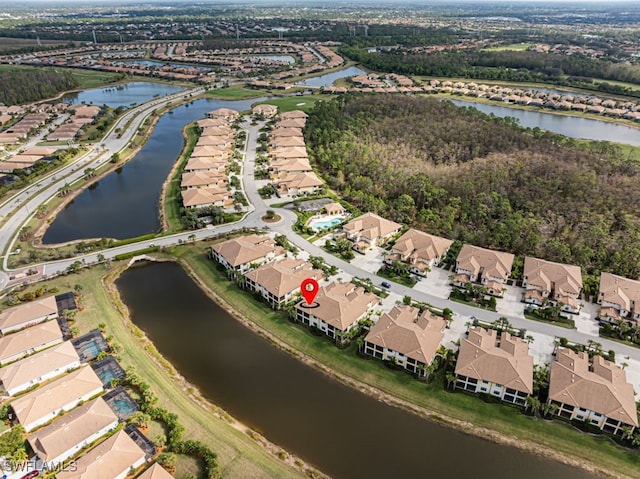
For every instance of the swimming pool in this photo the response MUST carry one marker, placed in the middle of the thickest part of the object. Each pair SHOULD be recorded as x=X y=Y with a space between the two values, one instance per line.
x=327 y=222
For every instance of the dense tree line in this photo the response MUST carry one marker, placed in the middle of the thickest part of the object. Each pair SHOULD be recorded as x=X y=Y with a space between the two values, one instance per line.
x=525 y=66
x=24 y=86
x=484 y=180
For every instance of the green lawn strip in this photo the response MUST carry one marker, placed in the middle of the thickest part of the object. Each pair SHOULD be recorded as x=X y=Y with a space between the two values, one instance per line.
x=562 y=322
x=391 y=276
x=172 y=194
x=304 y=102
x=552 y=435
x=239 y=456
x=234 y=93
x=460 y=298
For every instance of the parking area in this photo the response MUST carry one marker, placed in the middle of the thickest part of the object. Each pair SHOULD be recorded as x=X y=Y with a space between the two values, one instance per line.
x=371 y=261
x=436 y=283
x=586 y=321
x=510 y=304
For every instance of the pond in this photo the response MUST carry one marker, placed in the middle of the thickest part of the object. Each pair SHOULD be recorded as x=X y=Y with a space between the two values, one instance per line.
x=125 y=203
x=328 y=78
x=571 y=126
x=126 y=95
x=341 y=431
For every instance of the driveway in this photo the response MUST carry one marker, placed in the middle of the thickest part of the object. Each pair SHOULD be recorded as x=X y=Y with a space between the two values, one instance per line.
x=586 y=321
x=371 y=261
x=436 y=283
x=509 y=304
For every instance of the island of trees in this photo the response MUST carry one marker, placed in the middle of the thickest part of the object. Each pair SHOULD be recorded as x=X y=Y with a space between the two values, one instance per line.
x=19 y=86
x=480 y=179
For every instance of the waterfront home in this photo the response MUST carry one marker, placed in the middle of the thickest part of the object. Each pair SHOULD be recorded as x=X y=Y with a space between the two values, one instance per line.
x=369 y=230
x=28 y=314
x=114 y=458
x=221 y=142
x=43 y=404
x=74 y=431
x=334 y=209
x=246 y=252
x=406 y=337
x=155 y=472
x=207 y=196
x=337 y=309
x=211 y=152
x=421 y=251
x=597 y=392
x=265 y=111
x=213 y=123
x=497 y=365
x=278 y=282
x=557 y=282
x=36 y=338
x=202 y=178
x=619 y=298
x=224 y=113
x=206 y=164
x=40 y=367
x=479 y=265
x=296 y=184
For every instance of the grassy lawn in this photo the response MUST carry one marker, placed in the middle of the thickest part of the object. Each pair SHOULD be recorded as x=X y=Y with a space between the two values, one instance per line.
x=516 y=47
x=234 y=93
x=304 y=103
x=505 y=420
x=239 y=456
x=94 y=79
x=562 y=322
x=460 y=297
x=390 y=275
x=172 y=197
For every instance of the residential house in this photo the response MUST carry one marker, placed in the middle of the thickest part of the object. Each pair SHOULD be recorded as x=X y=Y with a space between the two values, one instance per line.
x=337 y=309
x=619 y=298
x=287 y=133
x=243 y=252
x=296 y=184
x=40 y=367
x=546 y=280
x=206 y=164
x=203 y=178
x=212 y=123
x=289 y=153
x=278 y=282
x=496 y=365
x=479 y=265
x=224 y=113
x=369 y=230
x=36 y=338
x=265 y=111
x=282 y=168
x=407 y=338
x=111 y=459
x=207 y=196
x=293 y=115
x=597 y=393
x=155 y=472
x=43 y=404
x=28 y=314
x=279 y=142
x=334 y=209
x=291 y=123
x=421 y=251
x=74 y=431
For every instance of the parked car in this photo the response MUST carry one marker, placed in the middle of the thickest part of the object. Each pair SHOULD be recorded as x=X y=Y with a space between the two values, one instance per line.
x=31 y=475
x=386 y=284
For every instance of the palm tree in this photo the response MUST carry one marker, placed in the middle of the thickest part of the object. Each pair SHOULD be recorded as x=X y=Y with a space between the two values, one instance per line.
x=451 y=379
x=533 y=404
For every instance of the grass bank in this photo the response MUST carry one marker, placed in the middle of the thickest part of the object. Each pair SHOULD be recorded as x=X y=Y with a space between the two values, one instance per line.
x=497 y=422
x=239 y=455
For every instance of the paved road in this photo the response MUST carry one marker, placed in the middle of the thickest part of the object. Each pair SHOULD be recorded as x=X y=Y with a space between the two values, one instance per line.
x=252 y=219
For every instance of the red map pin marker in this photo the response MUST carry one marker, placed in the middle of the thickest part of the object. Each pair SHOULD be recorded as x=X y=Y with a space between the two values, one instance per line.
x=309 y=289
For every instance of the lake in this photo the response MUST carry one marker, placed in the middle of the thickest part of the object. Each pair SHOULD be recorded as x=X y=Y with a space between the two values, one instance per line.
x=124 y=204
x=571 y=126
x=343 y=432
x=328 y=78
x=121 y=95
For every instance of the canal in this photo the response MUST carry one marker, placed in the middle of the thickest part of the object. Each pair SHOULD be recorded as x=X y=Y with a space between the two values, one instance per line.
x=124 y=204
x=344 y=433
x=127 y=94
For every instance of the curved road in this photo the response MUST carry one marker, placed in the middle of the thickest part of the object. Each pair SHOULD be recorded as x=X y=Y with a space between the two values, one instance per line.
x=30 y=198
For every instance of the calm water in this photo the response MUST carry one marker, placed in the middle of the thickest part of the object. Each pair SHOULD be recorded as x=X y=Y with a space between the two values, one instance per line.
x=343 y=432
x=571 y=126
x=125 y=204
x=329 y=78
x=121 y=95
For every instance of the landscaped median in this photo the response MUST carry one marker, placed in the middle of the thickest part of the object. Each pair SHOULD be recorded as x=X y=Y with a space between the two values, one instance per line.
x=497 y=422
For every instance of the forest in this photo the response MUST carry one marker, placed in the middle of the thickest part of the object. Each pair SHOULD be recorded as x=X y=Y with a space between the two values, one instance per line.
x=481 y=179
x=19 y=86
x=520 y=66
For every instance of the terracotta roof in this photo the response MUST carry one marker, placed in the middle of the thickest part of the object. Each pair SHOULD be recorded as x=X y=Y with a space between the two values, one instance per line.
x=287 y=132
x=284 y=276
x=205 y=163
x=209 y=151
x=291 y=123
x=28 y=339
x=341 y=304
x=212 y=122
x=55 y=395
x=108 y=460
x=371 y=226
x=245 y=249
x=227 y=113
x=416 y=246
x=334 y=208
x=496 y=264
x=288 y=115
x=509 y=364
x=300 y=180
x=406 y=331
x=290 y=152
x=291 y=165
x=265 y=109
x=155 y=472
x=206 y=196
x=37 y=365
x=287 y=142
x=619 y=290
x=604 y=389
x=547 y=275
x=203 y=178
x=26 y=312
x=72 y=429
